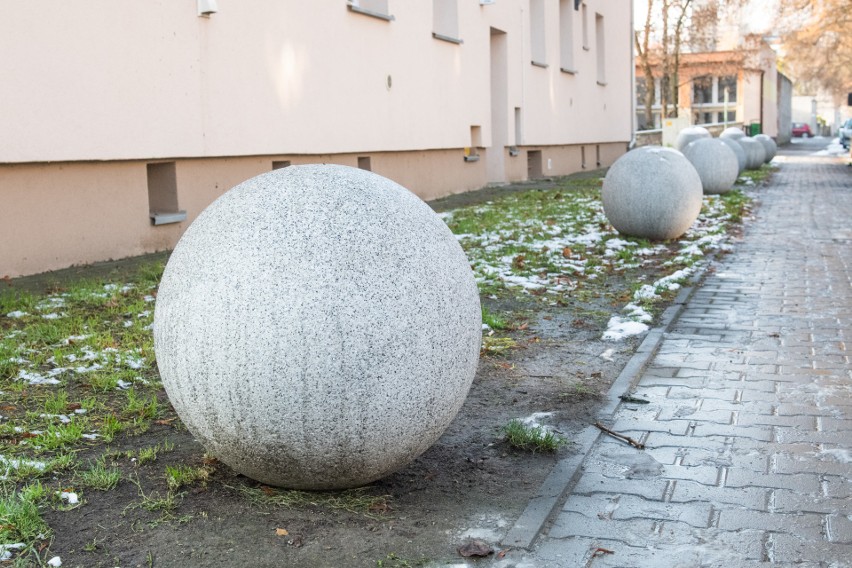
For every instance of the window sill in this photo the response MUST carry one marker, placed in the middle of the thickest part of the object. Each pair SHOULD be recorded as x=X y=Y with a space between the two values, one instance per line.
x=602 y=83
x=569 y=71
x=473 y=158
x=449 y=39
x=372 y=14
x=539 y=64
x=586 y=48
x=168 y=218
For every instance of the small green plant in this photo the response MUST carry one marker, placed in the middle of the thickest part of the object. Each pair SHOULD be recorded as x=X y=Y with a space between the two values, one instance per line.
x=153 y=501
x=533 y=438
x=57 y=436
x=20 y=518
x=180 y=475
x=110 y=427
x=492 y=320
x=142 y=407
x=100 y=477
x=56 y=403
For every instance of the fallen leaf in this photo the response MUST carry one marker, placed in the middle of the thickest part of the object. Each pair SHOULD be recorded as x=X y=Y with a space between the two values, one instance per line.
x=74 y=406
x=165 y=421
x=475 y=548
x=602 y=551
x=282 y=532
x=383 y=507
x=268 y=490
x=567 y=252
x=501 y=554
x=8 y=407
x=523 y=326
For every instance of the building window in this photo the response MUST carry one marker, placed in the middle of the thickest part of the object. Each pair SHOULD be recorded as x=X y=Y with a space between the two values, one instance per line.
x=162 y=194
x=702 y=90
x=445 y=20
x=566 y=35
x=372 y=8
x=600 y=48
x=364 y=163
x=537 y=39
x=584 y=16
x=277 y=165
x=729 y=83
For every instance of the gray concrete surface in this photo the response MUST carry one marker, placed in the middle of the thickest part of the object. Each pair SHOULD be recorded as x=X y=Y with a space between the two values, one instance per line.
x=748 y=435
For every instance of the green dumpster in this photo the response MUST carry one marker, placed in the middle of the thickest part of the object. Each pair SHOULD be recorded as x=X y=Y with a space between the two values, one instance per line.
x=754 y=129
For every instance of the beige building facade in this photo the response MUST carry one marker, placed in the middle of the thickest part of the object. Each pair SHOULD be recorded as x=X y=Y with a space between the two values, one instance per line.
x=121 y=121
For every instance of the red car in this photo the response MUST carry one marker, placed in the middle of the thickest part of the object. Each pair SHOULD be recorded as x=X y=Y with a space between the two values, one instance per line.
x=801 y=129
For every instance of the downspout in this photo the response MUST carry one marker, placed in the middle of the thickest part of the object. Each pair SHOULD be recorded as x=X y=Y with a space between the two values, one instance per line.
x=633 y=121
x=762 y=79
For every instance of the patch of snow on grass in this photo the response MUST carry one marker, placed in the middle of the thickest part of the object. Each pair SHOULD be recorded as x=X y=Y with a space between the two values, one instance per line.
x=16 y=314
x=618 y=328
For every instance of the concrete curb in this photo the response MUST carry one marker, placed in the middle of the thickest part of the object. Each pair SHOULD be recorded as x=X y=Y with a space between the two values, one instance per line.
x=561 y=480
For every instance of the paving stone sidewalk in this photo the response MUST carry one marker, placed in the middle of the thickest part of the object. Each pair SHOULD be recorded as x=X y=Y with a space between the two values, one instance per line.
x=748 y=432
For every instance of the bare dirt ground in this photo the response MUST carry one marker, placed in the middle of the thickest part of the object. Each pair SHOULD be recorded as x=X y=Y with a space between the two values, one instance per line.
x=470 y=485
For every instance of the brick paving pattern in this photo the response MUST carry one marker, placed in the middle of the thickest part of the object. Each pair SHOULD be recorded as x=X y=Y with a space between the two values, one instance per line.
x=749 y=426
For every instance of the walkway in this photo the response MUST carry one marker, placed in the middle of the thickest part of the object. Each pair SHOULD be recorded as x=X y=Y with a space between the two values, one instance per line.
x=748 y=431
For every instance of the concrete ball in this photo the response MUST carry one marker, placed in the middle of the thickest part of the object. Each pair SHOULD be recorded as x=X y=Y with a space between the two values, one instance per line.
x=769 y=145
x=715 y=163
x=754 y=151
x=652 y=192
x=317 y=327
x=733 y=132
x=689 y=134
x=738 y=151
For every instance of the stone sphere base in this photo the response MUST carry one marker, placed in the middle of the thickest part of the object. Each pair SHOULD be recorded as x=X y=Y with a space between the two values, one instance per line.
x=317 y=327
x=715 y=163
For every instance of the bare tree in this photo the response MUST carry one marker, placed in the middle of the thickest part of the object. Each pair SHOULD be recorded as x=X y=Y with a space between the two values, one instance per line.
x=817 y=46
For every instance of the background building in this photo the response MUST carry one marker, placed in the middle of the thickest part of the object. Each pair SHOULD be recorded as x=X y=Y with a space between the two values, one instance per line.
x=121 y=121
x=734 y=86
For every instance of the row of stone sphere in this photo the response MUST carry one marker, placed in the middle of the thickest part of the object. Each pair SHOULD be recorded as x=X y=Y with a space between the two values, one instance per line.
x=656 y=193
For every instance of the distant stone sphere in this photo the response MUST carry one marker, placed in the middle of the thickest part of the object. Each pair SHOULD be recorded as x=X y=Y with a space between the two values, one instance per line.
x=738 y=151
x=317 y=327
x=689 y=134
x=754 y=151
x=715 y=163
x=769 y=146
x=652 y=192
x=733 y=132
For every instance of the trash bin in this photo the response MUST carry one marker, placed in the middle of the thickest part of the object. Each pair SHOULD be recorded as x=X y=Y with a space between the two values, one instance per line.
x=754 y=129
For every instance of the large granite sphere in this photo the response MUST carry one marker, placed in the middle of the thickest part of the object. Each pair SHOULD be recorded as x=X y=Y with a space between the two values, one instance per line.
x=652 y=192
x=769 y=146
x=317 y=327
x=715 y=163
x=754 y=151
x=738 y=151
x=733 y=132
x=689 y=134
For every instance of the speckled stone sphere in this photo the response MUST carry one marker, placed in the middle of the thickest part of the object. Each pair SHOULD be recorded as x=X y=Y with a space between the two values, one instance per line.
x=733 y=132
x=754 y=151
x=317 y=327
x=689 y=134
x=738 y=151
x=769 y=146
x=652 y=192
x=715 y=163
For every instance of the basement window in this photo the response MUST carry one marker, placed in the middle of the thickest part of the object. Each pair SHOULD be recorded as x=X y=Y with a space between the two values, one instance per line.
x=277 y=165
x=373 y=8
x=162 y=194
x=364 y=163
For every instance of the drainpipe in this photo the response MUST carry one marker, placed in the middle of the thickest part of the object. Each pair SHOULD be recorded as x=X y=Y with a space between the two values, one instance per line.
x=634 y=123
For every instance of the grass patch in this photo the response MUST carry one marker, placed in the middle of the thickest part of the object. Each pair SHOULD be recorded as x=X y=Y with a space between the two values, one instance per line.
x=20 y=517
x=180 y=475
x=492 y=345
x=100 y=477
x=532 y=438
x=493 y=320
x=356 y=501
